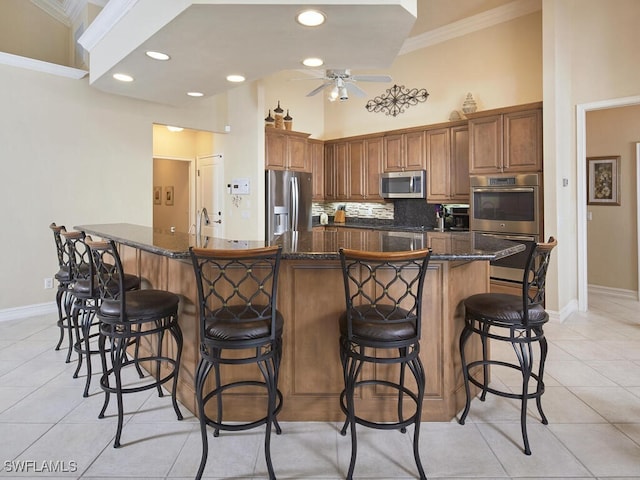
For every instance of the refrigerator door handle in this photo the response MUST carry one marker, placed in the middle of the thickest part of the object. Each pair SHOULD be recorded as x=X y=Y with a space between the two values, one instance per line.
x=295 y=195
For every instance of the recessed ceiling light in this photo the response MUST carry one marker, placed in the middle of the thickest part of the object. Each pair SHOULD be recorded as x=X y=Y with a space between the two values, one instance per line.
x=122 y=77
x=235 y=78
x=312 y=62
x=157 y=55
x=195 y=94
x=171 y=128
x=310 y=18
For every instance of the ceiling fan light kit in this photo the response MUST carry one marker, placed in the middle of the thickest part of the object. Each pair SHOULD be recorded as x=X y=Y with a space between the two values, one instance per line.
x=341 y=83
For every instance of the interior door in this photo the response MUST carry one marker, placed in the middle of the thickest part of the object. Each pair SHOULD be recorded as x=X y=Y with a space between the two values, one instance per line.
x=210 y=193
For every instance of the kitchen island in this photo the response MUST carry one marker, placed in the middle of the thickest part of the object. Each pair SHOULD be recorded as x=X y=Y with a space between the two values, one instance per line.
x=311 y=298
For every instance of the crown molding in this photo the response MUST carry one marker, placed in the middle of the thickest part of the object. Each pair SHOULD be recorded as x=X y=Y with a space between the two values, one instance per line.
x=54 y=8
x=40 y=66
x=104 y=22
x=495 y=16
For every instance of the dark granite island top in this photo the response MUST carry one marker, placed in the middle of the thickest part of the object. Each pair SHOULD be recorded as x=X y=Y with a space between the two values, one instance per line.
x=317 y=244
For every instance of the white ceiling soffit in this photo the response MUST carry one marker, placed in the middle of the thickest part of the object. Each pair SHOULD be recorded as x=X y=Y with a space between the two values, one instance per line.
x=208 y=40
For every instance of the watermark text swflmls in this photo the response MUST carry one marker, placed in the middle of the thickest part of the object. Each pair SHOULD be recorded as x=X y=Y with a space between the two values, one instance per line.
x=40 y=466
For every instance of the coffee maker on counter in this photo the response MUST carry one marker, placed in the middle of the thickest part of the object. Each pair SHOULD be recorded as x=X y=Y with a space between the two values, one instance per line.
x=456 y=217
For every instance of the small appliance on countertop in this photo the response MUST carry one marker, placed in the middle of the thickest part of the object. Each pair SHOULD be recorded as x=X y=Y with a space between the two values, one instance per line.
x=456 y=217
x=324 y=219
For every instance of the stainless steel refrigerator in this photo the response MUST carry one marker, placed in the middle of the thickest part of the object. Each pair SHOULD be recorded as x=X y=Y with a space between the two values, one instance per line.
x=288 y=202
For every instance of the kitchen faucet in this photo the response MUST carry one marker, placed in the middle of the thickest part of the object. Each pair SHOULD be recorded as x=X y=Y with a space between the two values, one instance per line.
x=202 y=213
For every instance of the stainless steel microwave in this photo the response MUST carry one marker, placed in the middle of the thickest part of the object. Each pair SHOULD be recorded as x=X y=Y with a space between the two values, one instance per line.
x=409 y=184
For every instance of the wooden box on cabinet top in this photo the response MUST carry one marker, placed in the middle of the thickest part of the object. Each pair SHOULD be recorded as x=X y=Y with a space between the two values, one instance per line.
x=286 y=150
x=506 y=140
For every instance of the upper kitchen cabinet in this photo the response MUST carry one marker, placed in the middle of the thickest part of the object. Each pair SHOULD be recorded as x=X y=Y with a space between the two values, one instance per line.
x=404 y=151
x=286 y=150
x=352 y=169
x=448 y=164
x=506 y=140
x=315 y=151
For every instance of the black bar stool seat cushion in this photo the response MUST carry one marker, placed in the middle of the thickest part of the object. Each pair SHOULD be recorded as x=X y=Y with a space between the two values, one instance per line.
x=63 y=275
x=503 y=308
x=141 y=304
x=242 y=323
x=83 y=287
x=367 y=323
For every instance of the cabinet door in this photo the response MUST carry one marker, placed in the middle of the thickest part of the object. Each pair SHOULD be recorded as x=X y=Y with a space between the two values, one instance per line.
x=329 y=172
x=373 y=157
x=342 y=170
x=459 y=164
x=316 y=153
x=523 y=141
x=276 y=147
x=393 y=153
x=438 y=143
x=485 y=144
x=357 y=170
x=415 y=157
x=297 y=154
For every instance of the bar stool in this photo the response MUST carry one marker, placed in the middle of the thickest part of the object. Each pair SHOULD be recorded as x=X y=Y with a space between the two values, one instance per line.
x=127 y=317
x=517 y=320
x=63 y=295
x=239 y=325
x=85 y=299
x=381 y=325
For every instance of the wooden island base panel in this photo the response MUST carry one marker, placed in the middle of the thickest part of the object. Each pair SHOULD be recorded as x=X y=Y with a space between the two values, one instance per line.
x=311 y=298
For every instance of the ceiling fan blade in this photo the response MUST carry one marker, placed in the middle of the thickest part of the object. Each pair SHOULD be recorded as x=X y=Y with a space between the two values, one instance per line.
x=355 y=90
x=318 y=89
x=371 y=78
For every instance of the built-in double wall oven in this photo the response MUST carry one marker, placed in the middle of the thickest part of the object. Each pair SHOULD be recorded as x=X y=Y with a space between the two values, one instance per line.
x=507 y=206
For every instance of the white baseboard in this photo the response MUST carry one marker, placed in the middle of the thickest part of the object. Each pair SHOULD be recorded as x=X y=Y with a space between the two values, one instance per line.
x=28 y=311
x=615 y=292
x=564 y=313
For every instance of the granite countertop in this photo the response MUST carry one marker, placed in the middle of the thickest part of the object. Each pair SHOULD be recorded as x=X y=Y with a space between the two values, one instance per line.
x=316 y=245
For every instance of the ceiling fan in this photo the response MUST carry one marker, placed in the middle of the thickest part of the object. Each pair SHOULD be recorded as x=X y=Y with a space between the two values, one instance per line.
x=342 y=83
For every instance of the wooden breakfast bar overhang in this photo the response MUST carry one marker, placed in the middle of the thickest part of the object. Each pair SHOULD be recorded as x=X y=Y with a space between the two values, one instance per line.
x=311 y=298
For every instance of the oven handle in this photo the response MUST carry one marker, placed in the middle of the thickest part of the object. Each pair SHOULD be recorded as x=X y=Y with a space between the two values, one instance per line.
x=509 y=189
x=511 y=237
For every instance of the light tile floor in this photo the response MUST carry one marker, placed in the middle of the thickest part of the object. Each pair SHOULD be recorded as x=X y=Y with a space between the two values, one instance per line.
x=592 y=402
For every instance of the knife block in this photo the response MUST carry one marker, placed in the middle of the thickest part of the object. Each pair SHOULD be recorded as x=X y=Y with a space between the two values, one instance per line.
x=340 y=216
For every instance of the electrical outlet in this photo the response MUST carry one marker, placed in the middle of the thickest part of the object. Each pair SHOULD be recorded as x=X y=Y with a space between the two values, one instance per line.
x=48 y=283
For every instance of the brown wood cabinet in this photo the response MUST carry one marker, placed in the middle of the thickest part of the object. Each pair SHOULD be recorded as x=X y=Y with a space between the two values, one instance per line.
x=315 y=151
x=448 y=164
x=404 y=151
x=507 y=140
x=286 y=150
x=352 y=169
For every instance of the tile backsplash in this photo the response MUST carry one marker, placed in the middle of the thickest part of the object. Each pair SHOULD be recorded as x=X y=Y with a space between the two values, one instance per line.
x=381 y=211
x=402 y=212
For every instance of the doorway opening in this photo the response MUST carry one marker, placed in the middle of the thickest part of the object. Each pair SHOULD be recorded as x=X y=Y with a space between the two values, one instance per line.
x=581 y=155
x=187 y=175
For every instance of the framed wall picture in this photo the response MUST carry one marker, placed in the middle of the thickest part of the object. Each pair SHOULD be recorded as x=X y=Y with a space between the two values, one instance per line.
x=168 y=195
x=157 y=195
x=603 y=180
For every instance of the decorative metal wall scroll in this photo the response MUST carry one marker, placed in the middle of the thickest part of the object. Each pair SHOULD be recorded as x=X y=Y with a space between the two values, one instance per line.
x=397 y=100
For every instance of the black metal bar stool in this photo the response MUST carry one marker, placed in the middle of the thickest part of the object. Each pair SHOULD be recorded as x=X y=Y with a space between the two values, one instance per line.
x=85 y=299
x=239 y=325
x=127 y=317
x=517 y=320
x=381 y=325
x=63 y=294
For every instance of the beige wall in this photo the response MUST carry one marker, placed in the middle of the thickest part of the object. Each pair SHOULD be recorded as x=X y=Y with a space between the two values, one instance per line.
x=71 y=155
x=28 y=31
x=587 y=49
x=612 y=242
x=500 y=66
x=174 y=175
